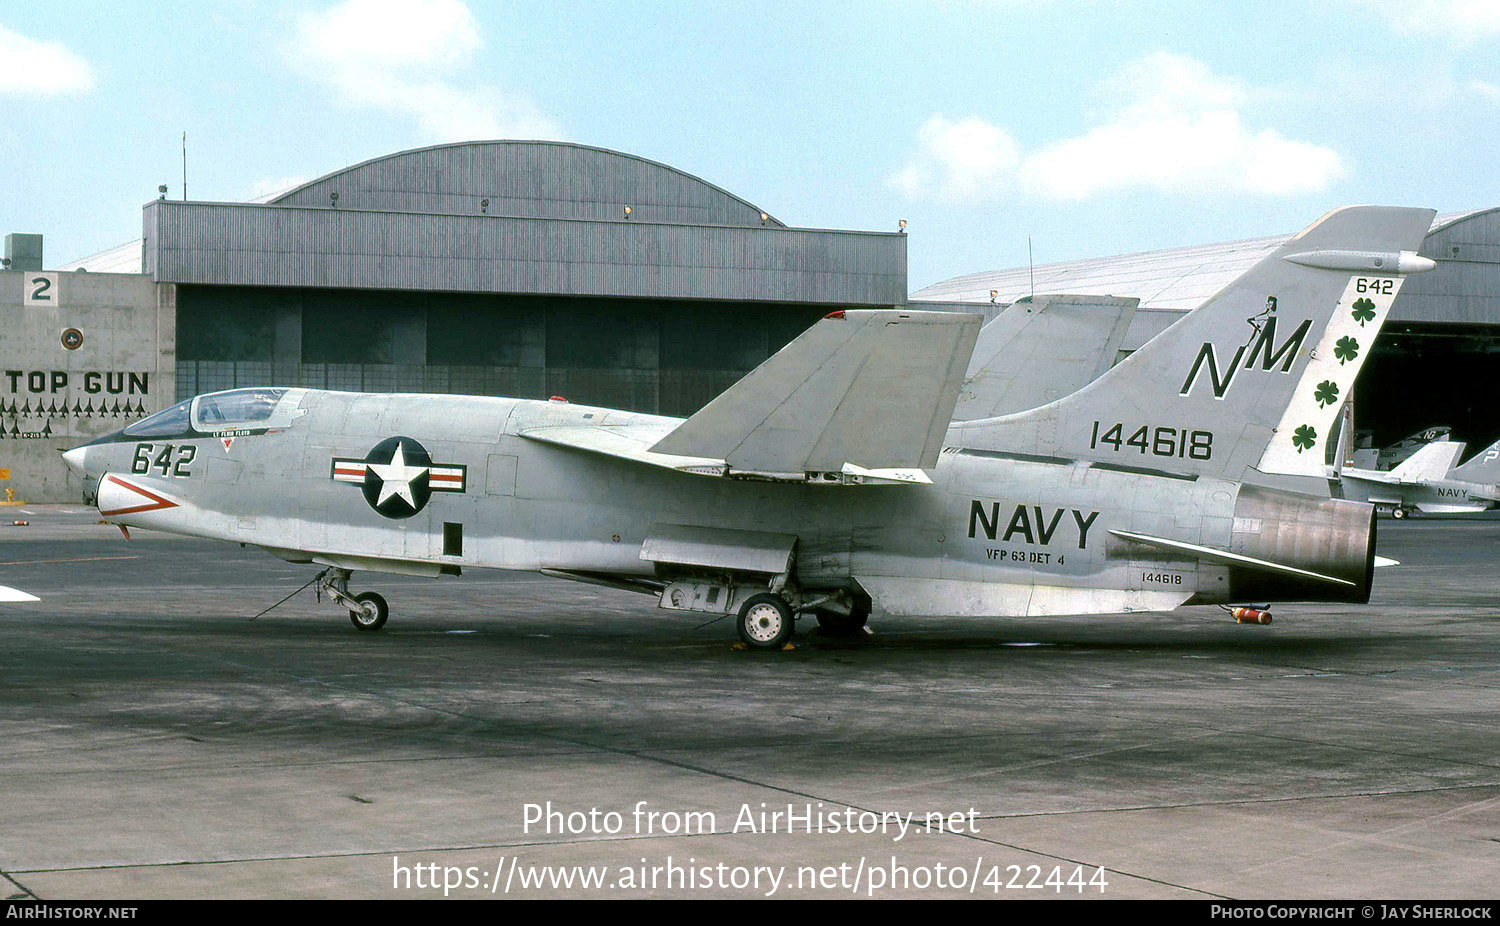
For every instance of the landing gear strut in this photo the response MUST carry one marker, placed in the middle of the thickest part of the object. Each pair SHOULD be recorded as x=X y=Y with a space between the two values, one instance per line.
x=367 y=610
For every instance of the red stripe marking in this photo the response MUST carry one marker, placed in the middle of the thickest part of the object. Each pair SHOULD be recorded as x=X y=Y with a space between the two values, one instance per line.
x=158 y=502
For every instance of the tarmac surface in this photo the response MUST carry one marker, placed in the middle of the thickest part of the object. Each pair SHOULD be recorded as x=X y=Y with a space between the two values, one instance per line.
x=159 y=743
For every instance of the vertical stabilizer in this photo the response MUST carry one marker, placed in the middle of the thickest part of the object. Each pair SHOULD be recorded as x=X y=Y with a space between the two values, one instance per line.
x=1252 y=379
x=1483 y=467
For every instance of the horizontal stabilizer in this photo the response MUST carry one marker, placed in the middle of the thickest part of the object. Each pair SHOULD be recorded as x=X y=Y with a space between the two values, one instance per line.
x=15 y=594
x=1226 y=558
x=875 y=388
x=1430 y=462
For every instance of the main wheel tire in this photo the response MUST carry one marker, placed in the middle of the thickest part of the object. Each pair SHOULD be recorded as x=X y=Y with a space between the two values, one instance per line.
x=766 y=622
x=835 y=624
x=1399 y=513
x=372 y=611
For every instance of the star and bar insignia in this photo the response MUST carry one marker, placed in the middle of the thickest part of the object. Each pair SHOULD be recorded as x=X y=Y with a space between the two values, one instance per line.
x=398 y=476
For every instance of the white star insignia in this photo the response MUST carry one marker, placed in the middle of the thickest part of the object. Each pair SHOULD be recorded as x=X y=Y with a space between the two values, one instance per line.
x=396 y=477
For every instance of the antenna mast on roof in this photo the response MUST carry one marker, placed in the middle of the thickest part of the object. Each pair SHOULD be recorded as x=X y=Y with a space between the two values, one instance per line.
x=1030 y=265
x=184 y=167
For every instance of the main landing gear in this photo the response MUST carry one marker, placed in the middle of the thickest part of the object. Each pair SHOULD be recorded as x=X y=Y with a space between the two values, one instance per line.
x=767 y=620
x=367 y=610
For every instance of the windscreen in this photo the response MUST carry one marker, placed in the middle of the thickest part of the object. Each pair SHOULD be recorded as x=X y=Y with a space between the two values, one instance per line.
x=166 y=423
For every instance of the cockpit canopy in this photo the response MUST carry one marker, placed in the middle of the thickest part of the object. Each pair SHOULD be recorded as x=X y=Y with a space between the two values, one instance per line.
x=237 y=409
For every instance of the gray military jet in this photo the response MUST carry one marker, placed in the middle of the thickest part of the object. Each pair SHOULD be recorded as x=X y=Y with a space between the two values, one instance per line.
x=1388 y=458
x=831 y=481
x=1427 y=481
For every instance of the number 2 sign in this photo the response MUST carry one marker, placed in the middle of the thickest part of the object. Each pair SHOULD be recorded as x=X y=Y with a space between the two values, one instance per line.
x=41 y=290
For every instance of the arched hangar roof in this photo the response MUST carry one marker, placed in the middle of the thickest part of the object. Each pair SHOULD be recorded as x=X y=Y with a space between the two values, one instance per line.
x=527 y=179
x=1179 y=279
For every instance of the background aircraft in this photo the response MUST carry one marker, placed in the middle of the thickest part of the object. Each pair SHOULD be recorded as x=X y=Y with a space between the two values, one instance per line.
x=1428 y=481
x=1390 y=457
x=830 y=480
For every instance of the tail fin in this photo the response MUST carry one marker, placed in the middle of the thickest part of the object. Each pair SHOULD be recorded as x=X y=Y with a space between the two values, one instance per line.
x=1432 y=461
x=1254 y=377
x=1484 y=466
x=1041 y=349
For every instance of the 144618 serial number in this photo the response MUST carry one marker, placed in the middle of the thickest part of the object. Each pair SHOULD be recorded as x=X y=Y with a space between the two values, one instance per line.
x=1160 y=442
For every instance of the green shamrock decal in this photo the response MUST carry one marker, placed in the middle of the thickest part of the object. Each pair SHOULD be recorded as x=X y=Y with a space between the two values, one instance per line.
x=1346 y=349
x=1364 y=310
x=1327 y=393
x=1304 y=438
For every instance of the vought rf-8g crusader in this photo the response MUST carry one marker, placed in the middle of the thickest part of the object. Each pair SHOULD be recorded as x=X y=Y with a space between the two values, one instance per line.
x=831 y=481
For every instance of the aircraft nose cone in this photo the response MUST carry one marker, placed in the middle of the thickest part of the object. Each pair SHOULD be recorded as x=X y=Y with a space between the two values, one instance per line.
x=74 y=459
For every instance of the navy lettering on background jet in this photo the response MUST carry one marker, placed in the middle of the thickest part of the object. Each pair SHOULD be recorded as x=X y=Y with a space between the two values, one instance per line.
x=1038 y=530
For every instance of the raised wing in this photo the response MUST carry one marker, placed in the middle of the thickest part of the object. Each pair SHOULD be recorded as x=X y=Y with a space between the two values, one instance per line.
x=872 y=389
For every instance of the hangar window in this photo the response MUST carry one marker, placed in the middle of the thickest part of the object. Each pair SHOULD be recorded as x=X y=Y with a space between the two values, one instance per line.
x=218 y=323
x=360 y=327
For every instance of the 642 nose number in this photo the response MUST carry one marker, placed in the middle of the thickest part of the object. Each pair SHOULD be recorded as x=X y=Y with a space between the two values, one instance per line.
x=1157 y=441
x=165 y=461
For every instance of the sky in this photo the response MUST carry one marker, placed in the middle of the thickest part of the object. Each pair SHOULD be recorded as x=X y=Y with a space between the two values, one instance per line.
x=1083 y=129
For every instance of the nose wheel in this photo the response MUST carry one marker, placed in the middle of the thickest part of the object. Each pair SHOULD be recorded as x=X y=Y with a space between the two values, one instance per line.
x=367 y=610
x=371 y=613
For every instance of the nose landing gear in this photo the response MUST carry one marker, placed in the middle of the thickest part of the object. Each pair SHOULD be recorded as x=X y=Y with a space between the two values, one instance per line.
x=367 y=610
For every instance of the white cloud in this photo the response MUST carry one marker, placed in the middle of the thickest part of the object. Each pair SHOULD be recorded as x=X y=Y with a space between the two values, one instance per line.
x=1177 y=128
x=1462 y=22
x=402 y=56
x=31 y=67
x=961 y=160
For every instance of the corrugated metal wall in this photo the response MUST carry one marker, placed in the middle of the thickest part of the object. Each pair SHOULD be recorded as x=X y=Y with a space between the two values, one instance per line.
x=264 y=245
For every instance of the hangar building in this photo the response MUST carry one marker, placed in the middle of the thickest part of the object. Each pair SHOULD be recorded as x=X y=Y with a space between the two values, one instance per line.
x=1433 y=364
x=530 y=269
